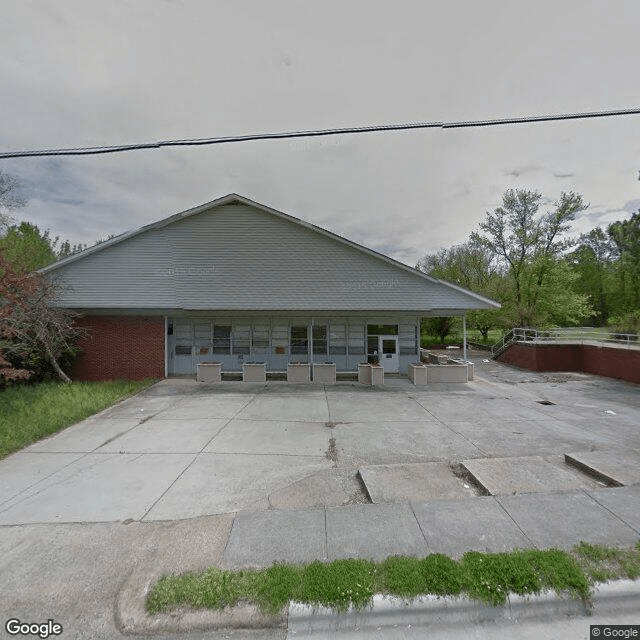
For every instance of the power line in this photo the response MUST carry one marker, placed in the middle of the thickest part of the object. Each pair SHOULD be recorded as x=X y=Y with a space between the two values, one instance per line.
x=83 y=151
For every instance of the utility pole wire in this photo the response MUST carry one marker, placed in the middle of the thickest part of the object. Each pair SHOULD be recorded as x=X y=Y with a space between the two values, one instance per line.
x=80 y=151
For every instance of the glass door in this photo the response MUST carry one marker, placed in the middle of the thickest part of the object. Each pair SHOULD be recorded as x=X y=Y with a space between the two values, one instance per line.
x=388 y=350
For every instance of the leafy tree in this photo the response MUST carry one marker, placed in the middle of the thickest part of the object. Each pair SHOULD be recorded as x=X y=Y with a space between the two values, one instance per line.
x=626 y=235
x=32 y=330
x=527 y=246
x=595 y=262
x=26 y=248
x=469 y=265
x=441 y=326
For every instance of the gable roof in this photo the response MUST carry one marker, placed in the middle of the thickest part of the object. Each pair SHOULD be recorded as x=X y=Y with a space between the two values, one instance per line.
x=171 y=264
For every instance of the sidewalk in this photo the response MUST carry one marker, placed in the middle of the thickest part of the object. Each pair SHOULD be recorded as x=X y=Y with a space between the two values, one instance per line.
x=375 y=531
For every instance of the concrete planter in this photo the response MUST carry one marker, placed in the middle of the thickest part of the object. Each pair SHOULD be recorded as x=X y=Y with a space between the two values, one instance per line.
x=254 y=372
x=324 y=373
x=377 y=374
x=364 y=373
x=447 y=373
x=298 y=372
x=418 y=374
x=209 y=372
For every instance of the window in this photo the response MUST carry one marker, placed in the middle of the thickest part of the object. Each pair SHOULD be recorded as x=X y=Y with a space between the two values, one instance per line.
x=382 y=329
x=356 y=339
x=408 y=339
x=320 y=339
x=260 y=339
x=242 y=340
x=202 y=338
x=222 y=339
x=280 y=339
x=338 y=340
x=183 y=335
x=299 y=340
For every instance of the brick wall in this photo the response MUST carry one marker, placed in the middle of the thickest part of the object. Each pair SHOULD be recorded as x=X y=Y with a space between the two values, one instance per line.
x=608 y=361
x=128 y=347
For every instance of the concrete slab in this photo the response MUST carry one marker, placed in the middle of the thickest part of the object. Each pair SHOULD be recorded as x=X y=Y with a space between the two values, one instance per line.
x=504 y=476
x=373 y=531
x=305 y=408
x=99 y=488
x=504 y=438
x=453 y=527
x=621 y=468
x=413 y=482
x=207 y=407
x=141 y=406
x=347 y=407
x=326 y=488
x=21 y=471
x=166 y=436
x=85 y=436
x=375 y=442
x=272 y=437
x=222 y=483
x=441 y=408
x=262 y=538
x=624 y=502
x=564 y=519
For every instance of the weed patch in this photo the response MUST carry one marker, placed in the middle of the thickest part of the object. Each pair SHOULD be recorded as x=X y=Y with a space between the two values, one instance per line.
x=30 y=413
x=487 y=577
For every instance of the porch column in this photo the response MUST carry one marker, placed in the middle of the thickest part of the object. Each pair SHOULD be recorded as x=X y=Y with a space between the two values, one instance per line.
x=464 y=337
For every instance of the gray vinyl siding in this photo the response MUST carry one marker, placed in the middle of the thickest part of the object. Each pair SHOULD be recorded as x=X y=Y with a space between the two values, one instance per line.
x=239 y=257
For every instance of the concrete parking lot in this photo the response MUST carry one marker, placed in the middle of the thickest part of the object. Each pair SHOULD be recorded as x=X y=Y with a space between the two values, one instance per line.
x=182 y=449
x=91 y=517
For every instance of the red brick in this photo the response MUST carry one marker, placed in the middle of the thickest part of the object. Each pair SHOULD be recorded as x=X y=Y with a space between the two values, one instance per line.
x=600 y=360
x=121 y=347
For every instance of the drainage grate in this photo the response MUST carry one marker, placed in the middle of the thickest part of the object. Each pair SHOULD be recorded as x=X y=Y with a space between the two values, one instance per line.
x=546 y=402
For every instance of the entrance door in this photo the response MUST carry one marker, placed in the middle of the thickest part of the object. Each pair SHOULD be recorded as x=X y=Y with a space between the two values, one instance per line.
x=388 y=350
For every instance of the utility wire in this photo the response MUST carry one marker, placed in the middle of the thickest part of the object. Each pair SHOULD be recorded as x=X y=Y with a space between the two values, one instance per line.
x=83 y=151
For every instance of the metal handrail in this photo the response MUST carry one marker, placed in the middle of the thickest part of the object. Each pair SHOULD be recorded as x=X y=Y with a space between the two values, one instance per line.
x=573 y=334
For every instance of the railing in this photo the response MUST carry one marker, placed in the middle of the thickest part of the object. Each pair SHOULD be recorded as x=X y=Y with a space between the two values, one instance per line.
x=566 y=334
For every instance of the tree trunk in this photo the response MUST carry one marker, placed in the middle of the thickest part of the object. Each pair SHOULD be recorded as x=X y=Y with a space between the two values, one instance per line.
x=61 y=374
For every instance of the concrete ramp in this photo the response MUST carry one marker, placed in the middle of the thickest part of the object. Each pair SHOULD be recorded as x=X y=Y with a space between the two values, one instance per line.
x=413 y=482
x=507 y=476
x=619 y=468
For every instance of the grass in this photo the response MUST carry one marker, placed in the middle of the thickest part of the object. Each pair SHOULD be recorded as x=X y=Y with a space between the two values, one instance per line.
x=487 y=577
x=473 y=335
x=29 y=413
x=602 y=563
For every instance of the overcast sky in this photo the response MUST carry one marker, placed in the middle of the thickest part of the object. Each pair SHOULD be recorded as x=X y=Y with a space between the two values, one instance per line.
x=92 y=72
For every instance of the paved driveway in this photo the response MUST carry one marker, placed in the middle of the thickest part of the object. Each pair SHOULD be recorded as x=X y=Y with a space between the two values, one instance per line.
x=181 y=449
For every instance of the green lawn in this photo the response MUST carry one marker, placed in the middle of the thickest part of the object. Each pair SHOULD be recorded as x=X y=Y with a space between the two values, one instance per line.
x=486 y=577
x=29 y=413
x=473 y=335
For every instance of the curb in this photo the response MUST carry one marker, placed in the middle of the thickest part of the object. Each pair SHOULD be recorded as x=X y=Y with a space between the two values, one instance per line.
x=132 y=618
x=385 y=611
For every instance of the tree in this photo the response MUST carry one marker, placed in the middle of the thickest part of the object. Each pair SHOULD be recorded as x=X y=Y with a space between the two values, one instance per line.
x=26 y=248
x=31 y=328
x=441 y=326
x=9 y=199
x=626 y=235
x=595 y=262
x=469 y=265
x=527 y=247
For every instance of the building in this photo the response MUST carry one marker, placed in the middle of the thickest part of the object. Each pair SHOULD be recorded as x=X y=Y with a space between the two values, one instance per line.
x=235 y=281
